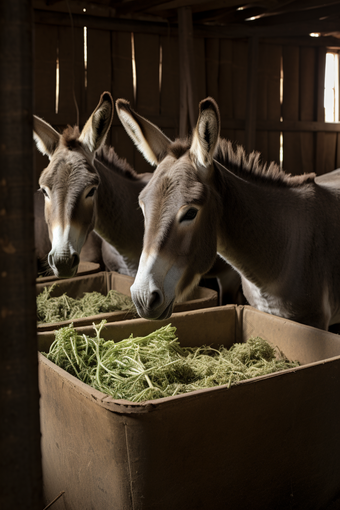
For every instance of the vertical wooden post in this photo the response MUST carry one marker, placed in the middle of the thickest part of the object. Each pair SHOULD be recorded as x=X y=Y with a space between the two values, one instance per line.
x=188 y=90
x=320 y=110
x=252 y=78
x=20 y=472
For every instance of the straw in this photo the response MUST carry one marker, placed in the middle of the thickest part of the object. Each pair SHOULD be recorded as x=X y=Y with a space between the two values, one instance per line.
x=62 y=308
x=155 y=366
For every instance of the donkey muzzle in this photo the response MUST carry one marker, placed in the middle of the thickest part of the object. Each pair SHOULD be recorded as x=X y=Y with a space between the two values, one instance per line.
x=64 y=266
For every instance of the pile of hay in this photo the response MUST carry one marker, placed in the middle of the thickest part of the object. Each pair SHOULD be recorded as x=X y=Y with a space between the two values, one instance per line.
x=62 y=308
x=155 y=366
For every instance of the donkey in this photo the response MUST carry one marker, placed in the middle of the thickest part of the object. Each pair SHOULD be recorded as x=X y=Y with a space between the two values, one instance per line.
x=86 y=186
x=93 y=249
x=208 y=196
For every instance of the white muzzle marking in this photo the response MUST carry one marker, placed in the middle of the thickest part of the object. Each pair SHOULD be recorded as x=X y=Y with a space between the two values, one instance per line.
x=66 y=246
x=154 y=288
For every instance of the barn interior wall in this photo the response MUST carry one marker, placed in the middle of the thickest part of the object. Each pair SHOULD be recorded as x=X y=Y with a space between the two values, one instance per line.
x=144 y=68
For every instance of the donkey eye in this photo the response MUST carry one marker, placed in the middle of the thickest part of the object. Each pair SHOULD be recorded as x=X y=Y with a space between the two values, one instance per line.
x=189 y=215
x=44 y=192
x=91 y=192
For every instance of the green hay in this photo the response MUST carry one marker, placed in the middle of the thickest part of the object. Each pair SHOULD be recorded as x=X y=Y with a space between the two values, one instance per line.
x=156 y=366
x=63 y=308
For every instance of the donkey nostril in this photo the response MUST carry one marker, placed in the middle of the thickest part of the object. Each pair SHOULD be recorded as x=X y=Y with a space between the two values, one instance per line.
x=155 y=299
x=75 y=260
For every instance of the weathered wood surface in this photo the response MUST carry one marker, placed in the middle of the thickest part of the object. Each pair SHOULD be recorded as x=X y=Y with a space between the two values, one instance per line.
x=20 y=471
x=233 y=31
x=174 y=71
x=268 y=101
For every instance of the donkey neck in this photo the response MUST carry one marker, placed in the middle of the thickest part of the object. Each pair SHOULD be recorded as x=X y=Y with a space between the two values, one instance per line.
x=260 y=225
x=118 y=218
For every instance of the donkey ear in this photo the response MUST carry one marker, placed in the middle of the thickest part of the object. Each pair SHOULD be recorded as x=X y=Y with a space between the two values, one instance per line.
x=96 y=128
x=148 y=138
x=206 y=134
x=45 y=136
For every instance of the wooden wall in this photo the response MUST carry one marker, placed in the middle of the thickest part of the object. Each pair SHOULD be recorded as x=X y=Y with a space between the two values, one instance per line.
x=221 y=67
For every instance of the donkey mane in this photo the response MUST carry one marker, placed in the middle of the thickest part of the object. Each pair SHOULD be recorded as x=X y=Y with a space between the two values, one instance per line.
x=248 y=166
x=235 y=158
x=179 y=147
x=106 y=154
x=109 y=158
x=70 y=137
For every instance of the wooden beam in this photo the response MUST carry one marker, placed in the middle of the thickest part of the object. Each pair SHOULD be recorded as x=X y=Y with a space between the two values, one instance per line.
x=21 y=471
x=272 y=18
x=228 y=31
x=299 y=126
x=248 y=29
x=103 y=23
x=137 y=6
x=285 y=126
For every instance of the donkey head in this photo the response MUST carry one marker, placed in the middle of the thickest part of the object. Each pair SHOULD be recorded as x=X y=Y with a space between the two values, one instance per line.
x=69 y=183
x=179 y=207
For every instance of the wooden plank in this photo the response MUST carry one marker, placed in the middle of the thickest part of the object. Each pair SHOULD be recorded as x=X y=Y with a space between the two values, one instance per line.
x=261 y=125
x=320 y=156
x=103 y=23
x=239 y=77
x=71 y=66
x=148 y=92
x=136 y=6
x=147 y=68
x=273 y=151
x=200 y=72
x=99 y=72
x=273 y=71
x=307 y=106
x=297 y=126
x=21 y=465
x=337 y=161
x=307 y=152
x=188 y=85
x=330 y=148
x=291 y=153
x=212 y=58
x=261 y=139
x=45 y=52
x=326 y=152
x=225 y=85
x=251 y=100
x=170 y=81
x=183 y=90
x=232 y=31
x=261 y=144
x=307 y=83
x=122 y=87
x=262 y=82
x=290 y=108
x=238 y=92
x=122 y=82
